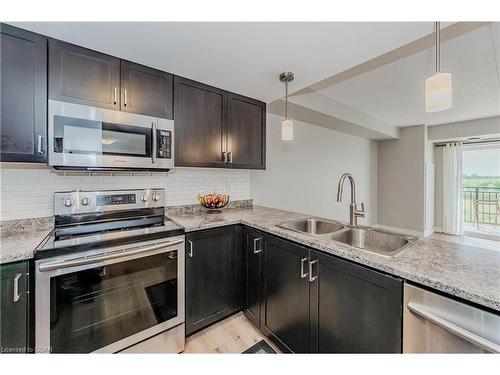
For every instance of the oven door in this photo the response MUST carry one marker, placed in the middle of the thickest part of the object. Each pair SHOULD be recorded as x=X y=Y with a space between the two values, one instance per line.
x=83 y=137
x=107 y=300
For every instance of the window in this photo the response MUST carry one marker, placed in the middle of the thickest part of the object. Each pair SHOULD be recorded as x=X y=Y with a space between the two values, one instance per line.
x=481 y=189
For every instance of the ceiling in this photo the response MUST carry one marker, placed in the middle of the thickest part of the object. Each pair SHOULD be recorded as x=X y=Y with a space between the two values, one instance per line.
x=247 y=58
x=392 y=95
x=241 y=57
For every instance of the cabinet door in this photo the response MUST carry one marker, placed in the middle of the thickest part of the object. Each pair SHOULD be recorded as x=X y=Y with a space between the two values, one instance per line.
x=83 y=76
x=254 y=248
x=24 y=95
x=285 y=308
x=146 y=91
x=14 y=308
x=355 y=309
x=200 y=121
x=211 y=277
x=246 y=132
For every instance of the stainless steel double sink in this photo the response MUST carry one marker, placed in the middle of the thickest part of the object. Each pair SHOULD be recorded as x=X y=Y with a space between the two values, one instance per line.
x=366 y=238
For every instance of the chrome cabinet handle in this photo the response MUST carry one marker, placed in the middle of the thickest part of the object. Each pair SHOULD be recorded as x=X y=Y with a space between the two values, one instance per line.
x=153 y=148
x=115 y=91
x=224 y=157
x=255 y=242
x=303 y=274
x=311 y=277
x=125 y=97
x=97 y=259
x=39 y=144
x=190 y=251
x=230 y=157
x=16 y=287
x=453 y=328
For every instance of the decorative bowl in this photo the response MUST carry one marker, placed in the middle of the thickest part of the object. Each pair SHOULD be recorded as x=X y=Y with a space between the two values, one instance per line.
x=214 y=202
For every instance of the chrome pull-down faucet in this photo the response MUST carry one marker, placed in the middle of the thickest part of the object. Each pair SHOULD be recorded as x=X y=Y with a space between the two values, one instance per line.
x=354 y=213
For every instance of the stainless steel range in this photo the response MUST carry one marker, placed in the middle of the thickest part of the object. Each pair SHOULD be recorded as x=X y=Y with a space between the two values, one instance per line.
x=111 y=276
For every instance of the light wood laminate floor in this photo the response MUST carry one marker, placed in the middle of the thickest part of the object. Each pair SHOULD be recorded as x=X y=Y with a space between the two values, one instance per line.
x=232 y=335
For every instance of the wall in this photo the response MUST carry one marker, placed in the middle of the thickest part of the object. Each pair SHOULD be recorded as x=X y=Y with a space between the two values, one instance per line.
x=485 y=127
x=302 y=175
x=401 y=180
x=27 y=191
x=429 y=178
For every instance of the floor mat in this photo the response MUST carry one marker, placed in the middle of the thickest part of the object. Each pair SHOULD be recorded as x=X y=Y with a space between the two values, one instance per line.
x=262 y=347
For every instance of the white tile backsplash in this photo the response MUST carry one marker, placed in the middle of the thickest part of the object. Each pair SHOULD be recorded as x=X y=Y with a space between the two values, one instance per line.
x=28 y=191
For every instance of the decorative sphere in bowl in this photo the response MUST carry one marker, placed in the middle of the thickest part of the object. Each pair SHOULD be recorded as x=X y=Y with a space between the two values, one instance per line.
x=214 y=202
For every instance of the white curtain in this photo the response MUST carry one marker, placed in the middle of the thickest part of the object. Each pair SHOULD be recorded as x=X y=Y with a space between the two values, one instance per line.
x=453 y=203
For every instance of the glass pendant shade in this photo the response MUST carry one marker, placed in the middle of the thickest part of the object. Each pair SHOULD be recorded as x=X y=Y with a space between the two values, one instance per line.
x=438 y=92
x=286 y=130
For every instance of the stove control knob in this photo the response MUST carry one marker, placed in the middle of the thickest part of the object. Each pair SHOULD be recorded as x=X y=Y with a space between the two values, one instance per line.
x=144 y=198
x=85 y=201
x=156 y=197
x=68 y=202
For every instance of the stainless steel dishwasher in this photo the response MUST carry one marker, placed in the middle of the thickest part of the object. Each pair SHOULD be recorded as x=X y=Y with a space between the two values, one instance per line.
x=436 y=324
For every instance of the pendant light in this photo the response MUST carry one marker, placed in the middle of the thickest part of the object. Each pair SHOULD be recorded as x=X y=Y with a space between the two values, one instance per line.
x=286 y=123
x=438 y=87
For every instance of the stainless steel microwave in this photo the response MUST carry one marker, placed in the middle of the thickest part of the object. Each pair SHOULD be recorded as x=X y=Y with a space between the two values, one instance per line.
x=90 y=138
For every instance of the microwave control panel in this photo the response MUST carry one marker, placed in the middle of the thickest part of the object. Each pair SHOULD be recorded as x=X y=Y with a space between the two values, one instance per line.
x=164 y=144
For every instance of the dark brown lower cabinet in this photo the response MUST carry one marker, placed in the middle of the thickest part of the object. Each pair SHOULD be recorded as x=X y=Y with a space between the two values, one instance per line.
x=253 y=243
x=14 y=308
x=314 y=302
x=304 y=300
x=285 y=304
x=354 y=309
x=213 y=276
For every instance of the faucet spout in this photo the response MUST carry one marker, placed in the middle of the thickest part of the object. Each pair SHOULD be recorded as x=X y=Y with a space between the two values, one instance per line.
x=340 y=189
x=354 y=213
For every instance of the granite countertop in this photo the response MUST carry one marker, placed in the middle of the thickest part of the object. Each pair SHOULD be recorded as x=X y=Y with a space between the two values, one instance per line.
x=464 y=271
x=20 y=238
x=467 y=272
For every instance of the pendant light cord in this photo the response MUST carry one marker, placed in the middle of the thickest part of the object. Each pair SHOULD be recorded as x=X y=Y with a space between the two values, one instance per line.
x=286 y=99
x=438 y=46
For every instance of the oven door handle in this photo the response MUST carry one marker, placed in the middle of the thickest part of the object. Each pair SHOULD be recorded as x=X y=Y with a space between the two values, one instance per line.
x=97 y=259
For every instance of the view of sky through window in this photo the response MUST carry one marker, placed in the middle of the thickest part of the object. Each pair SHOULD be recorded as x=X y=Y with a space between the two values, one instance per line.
x=481 y=165
x=484 y=162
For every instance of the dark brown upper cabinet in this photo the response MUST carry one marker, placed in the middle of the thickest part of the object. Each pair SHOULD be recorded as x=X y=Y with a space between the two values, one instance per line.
x=23 y=109
x=246 y=132
x=146 y=90
x=214 y=128
x=83 y=76
x=200 y=124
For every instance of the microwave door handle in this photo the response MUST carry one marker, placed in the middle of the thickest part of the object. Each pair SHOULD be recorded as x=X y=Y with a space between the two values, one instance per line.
x=153 y=147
